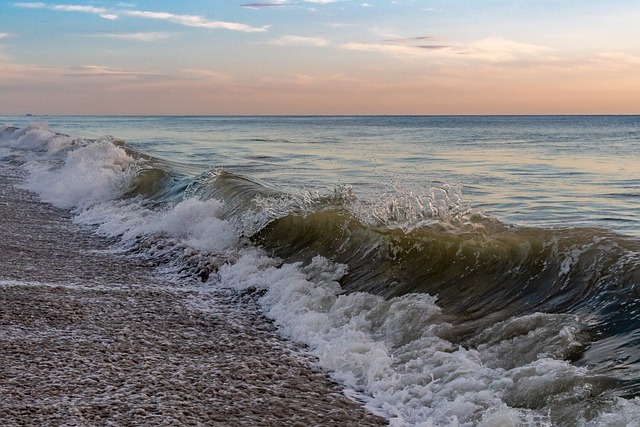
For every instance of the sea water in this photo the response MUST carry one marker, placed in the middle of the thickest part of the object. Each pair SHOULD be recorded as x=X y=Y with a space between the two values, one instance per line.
x=449 y=270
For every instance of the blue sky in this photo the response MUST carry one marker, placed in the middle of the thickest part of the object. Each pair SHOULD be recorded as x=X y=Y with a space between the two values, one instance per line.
x=319 y=57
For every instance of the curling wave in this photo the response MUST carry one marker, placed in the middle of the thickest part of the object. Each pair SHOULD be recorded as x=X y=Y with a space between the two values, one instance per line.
x=437 y=313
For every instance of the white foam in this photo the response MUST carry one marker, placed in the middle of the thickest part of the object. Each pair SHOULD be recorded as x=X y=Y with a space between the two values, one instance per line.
x=33 y=137
x=70 y=173
x=90 y=174
x=386 y=349
x=191 y=223
x=623 y=413
x=197 y=222
x=87 y=175
x=395 y=351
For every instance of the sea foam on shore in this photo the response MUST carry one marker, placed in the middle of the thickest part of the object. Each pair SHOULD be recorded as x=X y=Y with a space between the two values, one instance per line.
x=89 y=337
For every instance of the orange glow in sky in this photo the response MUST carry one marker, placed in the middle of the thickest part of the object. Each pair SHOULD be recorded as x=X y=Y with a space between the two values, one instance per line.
x=320 y=57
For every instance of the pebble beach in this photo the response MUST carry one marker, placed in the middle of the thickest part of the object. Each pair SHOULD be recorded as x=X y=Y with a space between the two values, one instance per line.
x=89 y=337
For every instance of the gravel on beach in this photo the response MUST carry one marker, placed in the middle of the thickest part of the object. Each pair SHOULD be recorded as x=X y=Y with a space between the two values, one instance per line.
x=92 y=338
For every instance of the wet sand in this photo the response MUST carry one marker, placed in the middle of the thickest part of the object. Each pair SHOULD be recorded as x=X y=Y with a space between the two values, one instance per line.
x=91 y=338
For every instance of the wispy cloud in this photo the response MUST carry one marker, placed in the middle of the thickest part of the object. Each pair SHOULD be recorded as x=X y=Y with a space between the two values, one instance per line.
x=618 y=59
x=385 y=48
x=86 y=9
x=259 y=5
x=5 y=36
x=102 y=12
x=33 y=74
x=205 y=75
x=405 y=40
x=419 y=42
x=275 y=3
x=100 y=71
x=195 y=21
x=299 y=41
x=187 y=20
x=141 y=37
x=493 y=49
x=32 y=5
x=498 y=49
x=402 y=46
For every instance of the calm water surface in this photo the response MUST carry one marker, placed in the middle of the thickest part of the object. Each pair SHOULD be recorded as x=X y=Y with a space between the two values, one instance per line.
x=534 y=170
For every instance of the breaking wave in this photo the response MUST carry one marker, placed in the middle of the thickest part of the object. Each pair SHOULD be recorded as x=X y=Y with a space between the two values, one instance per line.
x=435 y=312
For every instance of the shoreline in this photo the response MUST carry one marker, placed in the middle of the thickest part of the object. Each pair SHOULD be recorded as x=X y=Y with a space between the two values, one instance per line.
x=92 y=338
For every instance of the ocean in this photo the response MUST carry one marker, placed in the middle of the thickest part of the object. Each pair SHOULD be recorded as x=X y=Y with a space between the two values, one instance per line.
x=449 y=271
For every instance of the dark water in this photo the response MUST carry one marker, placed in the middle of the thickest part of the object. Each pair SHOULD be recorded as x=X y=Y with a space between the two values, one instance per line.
x=456 y=270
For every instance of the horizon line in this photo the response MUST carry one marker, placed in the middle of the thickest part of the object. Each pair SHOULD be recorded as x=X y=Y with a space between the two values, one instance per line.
x=32 y=115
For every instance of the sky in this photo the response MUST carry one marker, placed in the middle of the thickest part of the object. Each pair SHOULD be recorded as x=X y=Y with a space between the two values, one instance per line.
x=308 y=57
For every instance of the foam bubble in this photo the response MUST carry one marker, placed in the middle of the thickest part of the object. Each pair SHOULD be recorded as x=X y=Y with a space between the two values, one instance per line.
x=66 y=172
x=197 y=222
x=384 y=348
x=623 y=413
x=96 y=172
x=395 y=350
x=192 y=223
x=35 y=140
